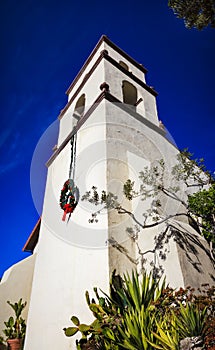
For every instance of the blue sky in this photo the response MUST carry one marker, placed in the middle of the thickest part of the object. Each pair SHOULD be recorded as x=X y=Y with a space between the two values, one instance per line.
x=44 y=44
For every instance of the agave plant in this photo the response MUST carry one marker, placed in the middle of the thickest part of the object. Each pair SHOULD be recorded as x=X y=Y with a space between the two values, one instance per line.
x=167 y=336
x=187 y=322
x=141 y=313
x=191 y=321
x=140 y=291
x=123 y=320
x=136 y=329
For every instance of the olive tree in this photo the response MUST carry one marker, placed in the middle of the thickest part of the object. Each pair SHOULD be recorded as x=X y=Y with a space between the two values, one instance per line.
x=192 y=187
x=195 y=13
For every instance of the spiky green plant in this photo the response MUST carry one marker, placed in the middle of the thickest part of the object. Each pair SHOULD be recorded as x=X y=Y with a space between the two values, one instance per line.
x=191 y=321
x=136 y=329
x=140 y=291
x=142 y=313
x=166 y=335
x=126 y=318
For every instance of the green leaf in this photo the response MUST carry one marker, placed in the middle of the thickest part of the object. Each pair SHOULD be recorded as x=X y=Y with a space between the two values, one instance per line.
x=96 y=308
x=109 y=334
x=75 y=320
x=84 y=327
x=96 y=326
x=11 y=322
x=70 y=331
x=87 y=297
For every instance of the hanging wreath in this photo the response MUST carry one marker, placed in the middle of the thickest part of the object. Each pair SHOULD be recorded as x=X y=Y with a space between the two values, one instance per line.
x=68 y=200
x=70 y=194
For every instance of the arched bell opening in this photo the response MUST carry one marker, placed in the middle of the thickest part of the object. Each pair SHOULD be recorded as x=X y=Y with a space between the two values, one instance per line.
x=79 y=107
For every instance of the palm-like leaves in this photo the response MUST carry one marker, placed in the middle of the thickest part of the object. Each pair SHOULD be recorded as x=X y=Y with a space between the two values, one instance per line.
x=131 y=318
x=191 y=321
x=136 y=329
x=136 y=291
x=167 y=337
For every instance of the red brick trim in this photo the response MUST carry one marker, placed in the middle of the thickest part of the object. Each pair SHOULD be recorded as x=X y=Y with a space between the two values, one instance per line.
x=33 y=238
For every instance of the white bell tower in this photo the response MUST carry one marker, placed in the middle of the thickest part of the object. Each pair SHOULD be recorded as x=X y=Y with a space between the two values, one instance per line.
x=112 y=113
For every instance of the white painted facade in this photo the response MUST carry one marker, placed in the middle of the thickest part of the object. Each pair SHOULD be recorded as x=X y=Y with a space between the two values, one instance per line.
x=113 y=144
x=16 y=283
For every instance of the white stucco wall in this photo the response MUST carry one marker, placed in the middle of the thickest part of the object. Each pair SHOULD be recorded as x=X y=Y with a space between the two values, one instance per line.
x=131 y=142
x=114 y=78
x=72 y=257
x=118 y=57
x=15 y=284
x=91 y=89
x=83 y=72
x=63 y=273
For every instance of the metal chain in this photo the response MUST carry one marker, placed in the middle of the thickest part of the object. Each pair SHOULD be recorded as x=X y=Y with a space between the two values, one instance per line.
x=73 y=157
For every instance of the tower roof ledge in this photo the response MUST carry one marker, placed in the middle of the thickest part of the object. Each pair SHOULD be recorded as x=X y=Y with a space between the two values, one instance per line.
x=105 y=39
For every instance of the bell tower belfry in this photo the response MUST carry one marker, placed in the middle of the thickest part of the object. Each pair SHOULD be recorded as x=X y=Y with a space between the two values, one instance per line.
x=109 y=131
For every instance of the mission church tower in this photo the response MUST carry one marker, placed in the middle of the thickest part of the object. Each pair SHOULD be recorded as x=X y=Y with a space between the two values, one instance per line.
x=109 y=131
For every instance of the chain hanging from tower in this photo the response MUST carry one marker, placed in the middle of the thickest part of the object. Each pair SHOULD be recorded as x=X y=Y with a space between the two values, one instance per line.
x=70 y=193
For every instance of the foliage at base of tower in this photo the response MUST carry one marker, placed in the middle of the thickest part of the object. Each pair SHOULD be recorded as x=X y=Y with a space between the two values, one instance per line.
x=195 y=13
x=143 y=313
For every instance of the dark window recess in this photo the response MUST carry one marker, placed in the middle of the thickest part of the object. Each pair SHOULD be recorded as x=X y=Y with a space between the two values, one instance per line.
x=123 y=64
x=129 y=93
x=79 y=107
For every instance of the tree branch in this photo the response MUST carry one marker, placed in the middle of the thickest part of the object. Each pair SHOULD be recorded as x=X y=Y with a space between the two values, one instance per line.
x=124 y=211
x=173 y=196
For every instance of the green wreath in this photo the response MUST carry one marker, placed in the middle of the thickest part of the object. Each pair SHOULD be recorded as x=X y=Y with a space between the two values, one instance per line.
x=68 y=200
